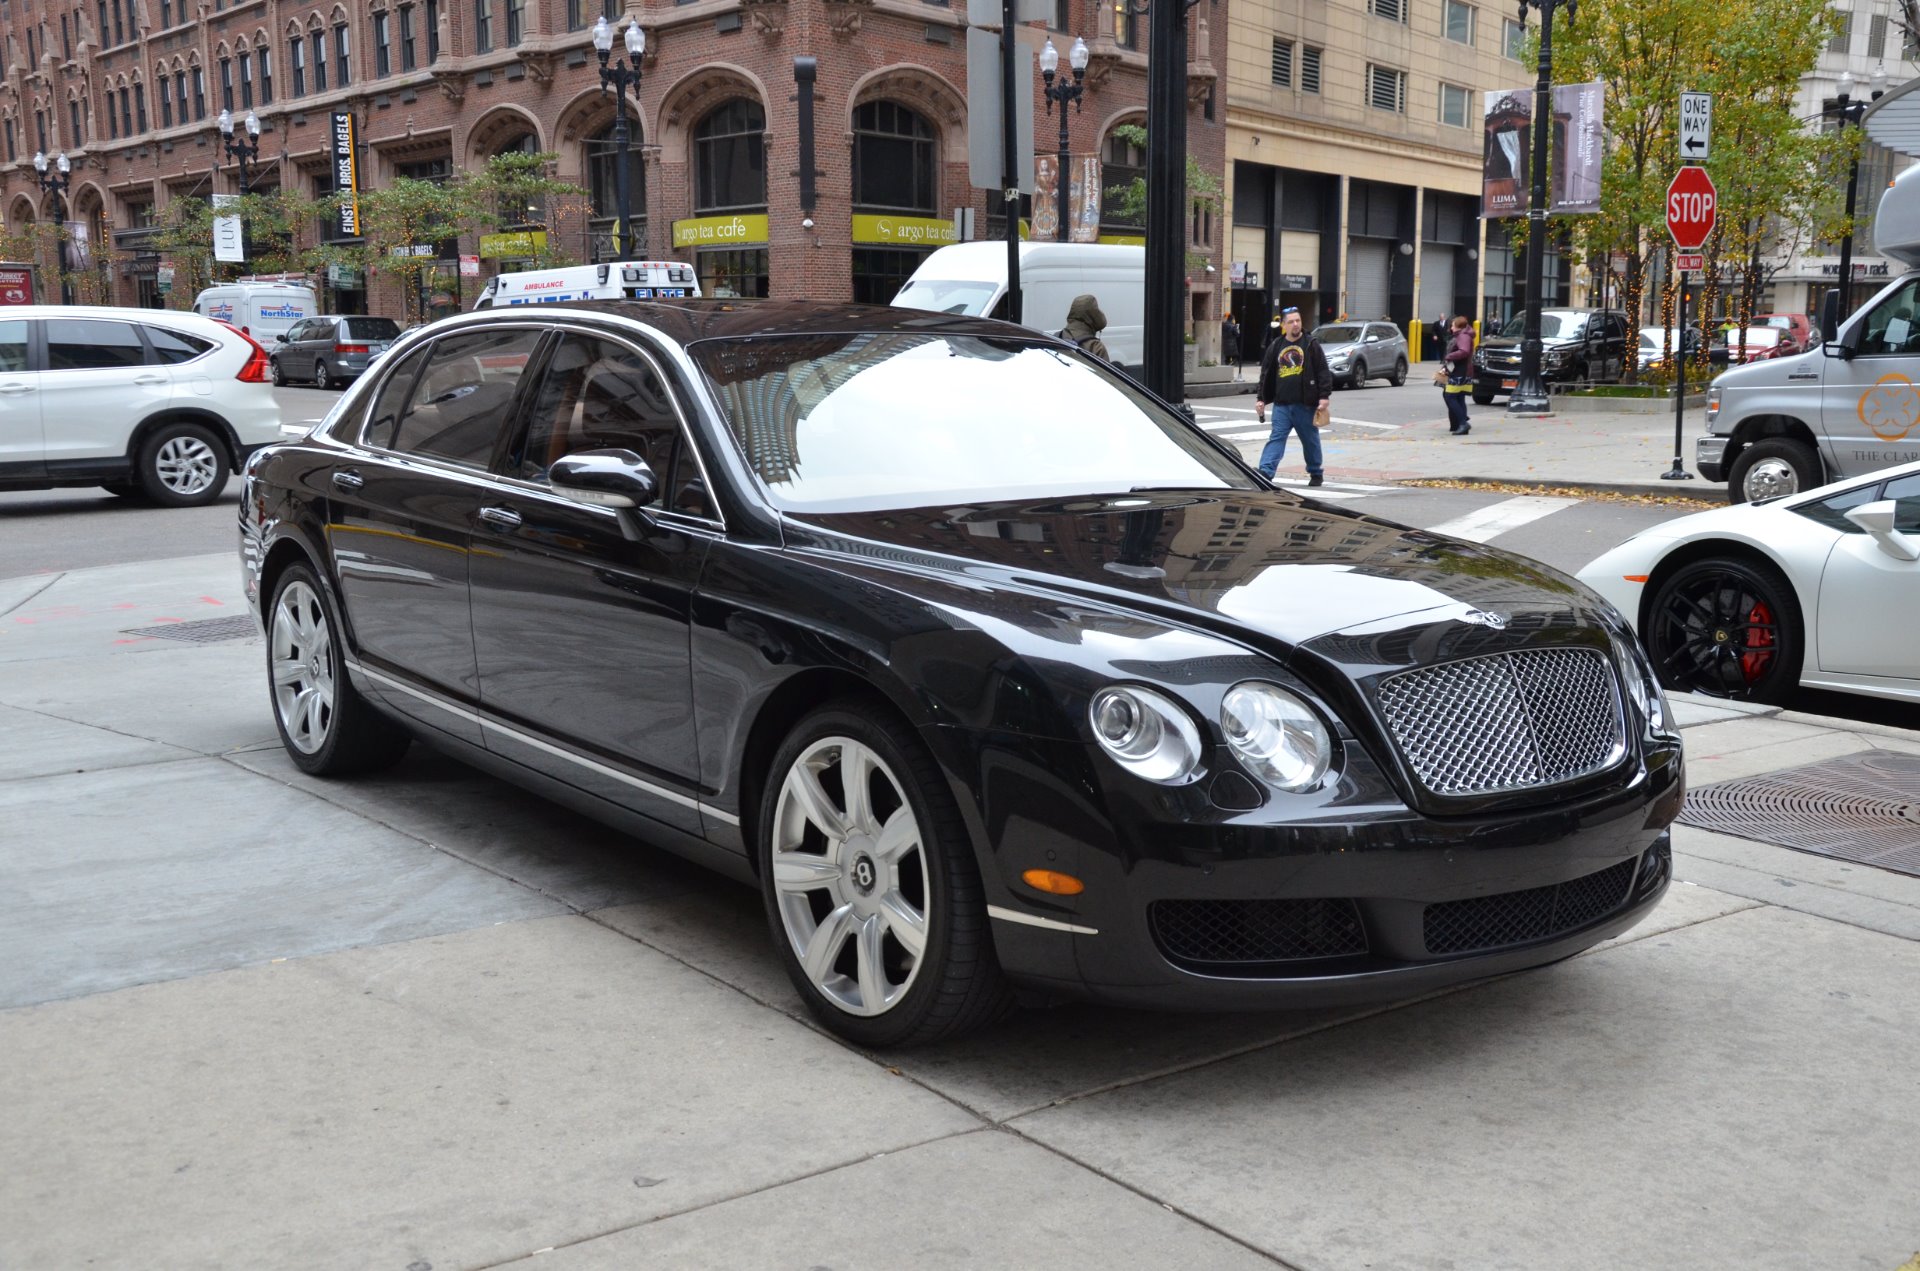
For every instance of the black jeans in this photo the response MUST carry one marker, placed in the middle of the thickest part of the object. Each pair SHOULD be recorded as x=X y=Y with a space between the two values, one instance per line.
x=1456 y=409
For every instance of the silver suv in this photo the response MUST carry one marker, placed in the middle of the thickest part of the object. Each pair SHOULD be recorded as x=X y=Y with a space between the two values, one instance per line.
x=1361 y=351
x=330 y=349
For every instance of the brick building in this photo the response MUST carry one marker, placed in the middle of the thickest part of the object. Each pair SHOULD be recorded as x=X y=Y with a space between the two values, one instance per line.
x=129 y=90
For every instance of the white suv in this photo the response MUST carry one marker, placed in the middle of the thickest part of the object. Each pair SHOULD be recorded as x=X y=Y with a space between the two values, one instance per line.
x=140 y=401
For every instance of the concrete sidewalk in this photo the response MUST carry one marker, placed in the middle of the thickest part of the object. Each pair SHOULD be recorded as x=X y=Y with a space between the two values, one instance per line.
x=423 y=1022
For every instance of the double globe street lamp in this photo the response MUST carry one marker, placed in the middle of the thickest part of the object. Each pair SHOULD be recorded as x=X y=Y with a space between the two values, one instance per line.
x=242 y=149
x=620 y=75
x=54 y=177
x=1064 y=92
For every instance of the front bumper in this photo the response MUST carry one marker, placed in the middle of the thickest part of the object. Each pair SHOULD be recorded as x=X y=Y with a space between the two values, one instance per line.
x=1371 y=901
x=1710 y=456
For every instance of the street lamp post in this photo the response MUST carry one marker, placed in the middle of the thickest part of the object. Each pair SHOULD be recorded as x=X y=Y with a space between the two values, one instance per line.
x=1064 y=92
x=619 y=76
x=243 y=149
x=55 y=182
x=1529 y=396
x=1849 y=112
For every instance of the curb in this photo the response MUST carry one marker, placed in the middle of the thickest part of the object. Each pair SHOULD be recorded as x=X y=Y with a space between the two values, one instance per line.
x=1648 y=489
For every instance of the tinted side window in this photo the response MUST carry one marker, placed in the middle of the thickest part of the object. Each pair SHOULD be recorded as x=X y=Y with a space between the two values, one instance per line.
x=597 y=395
x=86 y=344
x=1891 y=327
x=392 y=400
x=173 y=347
x=1905 y=493
x=458 y=408
x=13 y=345
x=373 y=329
x=1831 y=511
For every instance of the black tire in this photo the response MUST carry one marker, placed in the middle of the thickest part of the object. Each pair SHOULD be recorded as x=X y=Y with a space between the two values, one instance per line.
x=182 y=466
x=352 y=737
x=1399 y=375
x=1772 y=469
x=1726 y=627
x=954 y=984
x=279 y=375
x=1481 y=397
x=1359 y=379
x=322 y=377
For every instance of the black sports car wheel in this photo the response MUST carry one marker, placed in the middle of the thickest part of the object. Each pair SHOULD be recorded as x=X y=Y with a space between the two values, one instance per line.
x=1726 y=628
x=870 y=884
x=328 y=729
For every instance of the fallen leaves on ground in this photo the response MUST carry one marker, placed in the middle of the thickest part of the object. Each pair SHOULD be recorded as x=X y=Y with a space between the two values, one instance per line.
x=1570 y=492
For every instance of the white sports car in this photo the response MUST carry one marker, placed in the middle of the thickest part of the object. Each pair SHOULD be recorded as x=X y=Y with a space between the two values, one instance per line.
x=1820 y=589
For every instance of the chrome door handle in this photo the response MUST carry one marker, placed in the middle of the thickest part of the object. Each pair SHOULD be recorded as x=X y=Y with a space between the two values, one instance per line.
x=349 y=481
x=500 y=518
x=150 y=379
x=12 y=389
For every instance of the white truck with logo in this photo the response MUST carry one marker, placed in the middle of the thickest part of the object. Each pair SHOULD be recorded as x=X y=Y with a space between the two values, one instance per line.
x=609 y=280
x=1841 y=409
x=263 y=308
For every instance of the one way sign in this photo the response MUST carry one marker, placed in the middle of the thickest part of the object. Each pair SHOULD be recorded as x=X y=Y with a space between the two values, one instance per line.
x=1696 y=126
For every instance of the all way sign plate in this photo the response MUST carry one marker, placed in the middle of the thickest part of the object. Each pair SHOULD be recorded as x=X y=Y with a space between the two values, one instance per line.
x=1696 y=126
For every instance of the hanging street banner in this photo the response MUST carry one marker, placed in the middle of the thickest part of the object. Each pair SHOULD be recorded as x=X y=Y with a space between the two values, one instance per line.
x=1579 y=146
x=1083 y=197
x=228 y=241
x=1509 y=118
x=346 y=172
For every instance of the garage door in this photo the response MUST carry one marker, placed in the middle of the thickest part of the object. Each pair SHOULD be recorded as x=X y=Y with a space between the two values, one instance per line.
x=1367 y=264
x=1436 y=282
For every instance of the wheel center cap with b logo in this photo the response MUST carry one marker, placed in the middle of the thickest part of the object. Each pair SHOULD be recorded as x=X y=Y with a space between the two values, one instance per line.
x=865 y=874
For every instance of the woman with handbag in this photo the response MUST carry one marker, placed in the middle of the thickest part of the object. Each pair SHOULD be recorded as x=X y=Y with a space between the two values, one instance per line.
x=1456 y=381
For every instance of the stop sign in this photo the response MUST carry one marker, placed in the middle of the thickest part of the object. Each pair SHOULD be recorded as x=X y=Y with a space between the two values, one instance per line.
x=1692 y=206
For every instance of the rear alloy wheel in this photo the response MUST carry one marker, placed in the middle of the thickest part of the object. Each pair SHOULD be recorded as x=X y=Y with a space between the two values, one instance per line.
x=182 y=465
x=279 y=375
x=1399 y=376
x=322 y=377
x=328 y=729
x=1726 y=628
x=1772 y=469
x=870 y=884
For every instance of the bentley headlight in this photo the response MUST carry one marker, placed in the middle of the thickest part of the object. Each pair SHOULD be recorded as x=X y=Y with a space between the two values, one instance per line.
x=1147 y=734
x=1276 y=735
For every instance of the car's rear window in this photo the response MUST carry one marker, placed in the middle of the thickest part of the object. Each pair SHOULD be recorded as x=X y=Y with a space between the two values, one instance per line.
x=373 y=329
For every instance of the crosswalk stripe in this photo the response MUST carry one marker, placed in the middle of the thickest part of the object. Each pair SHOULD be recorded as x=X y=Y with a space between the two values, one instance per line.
x=1485 y=524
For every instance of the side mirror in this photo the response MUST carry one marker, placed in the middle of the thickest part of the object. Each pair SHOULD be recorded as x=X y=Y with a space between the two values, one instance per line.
x=605 y=478
x=1877 y=519
x=281 y=338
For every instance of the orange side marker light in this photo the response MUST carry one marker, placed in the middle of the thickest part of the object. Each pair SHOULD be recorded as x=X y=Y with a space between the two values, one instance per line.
x=1635 y=578
x=1057 y=884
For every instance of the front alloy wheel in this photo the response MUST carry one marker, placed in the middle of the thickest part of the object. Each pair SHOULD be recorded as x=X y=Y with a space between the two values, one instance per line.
x=1726 y=628
x=328 y=729
x=870 y=884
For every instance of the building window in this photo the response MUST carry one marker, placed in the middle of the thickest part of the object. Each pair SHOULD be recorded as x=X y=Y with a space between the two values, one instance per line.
x=166 y=101
x=264 y=59
x=126 y=110
x=246 y=83
x=11 y=156
x=729 y=157
x=1391 y=10
x=406 y=37
x=1283 y=63
x=139 y=109
x=1877 y=37
x=342 y=57
x=317 y=44
x=1844 y=36
x=1387 y=89
x=299 y=67
x=1309 y=69
x=892 y=159
x=66 y=39
x=516 y=21
x=40 y=126
x=1121 y=163
x=73 y=113
x=433 y=31
x=119 y=31
x=180 y=93
x=199 y=93
x=226 y=82
x=482 y=26
x=113 y=125
x=1514 y=39
x=576 y=15
x=1126 y=30
x=1456 y=21
x=1453 y=105
x=382 y=51
x=166 y=13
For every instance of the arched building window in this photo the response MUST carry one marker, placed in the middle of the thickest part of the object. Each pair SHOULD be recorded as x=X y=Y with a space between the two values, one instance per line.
x=729 y=155
x=1120 y=163
x=893 y=159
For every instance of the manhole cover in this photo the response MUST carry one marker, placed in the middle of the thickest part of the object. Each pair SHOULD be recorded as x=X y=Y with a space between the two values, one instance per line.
x=1862 y=808
x=205 y=631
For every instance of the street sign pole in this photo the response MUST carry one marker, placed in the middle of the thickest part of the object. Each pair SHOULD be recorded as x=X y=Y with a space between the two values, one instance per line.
x=1693 y=208
x=1678 y=472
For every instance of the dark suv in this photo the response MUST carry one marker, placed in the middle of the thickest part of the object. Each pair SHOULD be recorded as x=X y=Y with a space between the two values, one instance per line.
x=1576 y=345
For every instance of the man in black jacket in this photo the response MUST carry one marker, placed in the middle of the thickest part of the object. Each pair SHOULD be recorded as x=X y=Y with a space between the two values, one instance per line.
x=1295 y=379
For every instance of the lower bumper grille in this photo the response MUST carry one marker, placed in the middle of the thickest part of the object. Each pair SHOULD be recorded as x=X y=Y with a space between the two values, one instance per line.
x=1518 y=917
x=1226 y=933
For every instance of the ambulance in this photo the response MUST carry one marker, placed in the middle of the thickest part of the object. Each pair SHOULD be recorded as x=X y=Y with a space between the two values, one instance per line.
x=1843 y=408
x=609 y=280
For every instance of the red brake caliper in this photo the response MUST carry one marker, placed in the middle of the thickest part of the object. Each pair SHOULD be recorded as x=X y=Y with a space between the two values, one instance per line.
x=1759 y=654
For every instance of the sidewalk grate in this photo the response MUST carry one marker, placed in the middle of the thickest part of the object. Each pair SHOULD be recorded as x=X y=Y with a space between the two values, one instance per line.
x=204 y=631
x=1863 y=808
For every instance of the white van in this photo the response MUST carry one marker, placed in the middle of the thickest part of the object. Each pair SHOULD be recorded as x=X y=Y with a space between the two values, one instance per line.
x=1841 y=409
x=609 y=280
x=971 y=278
x=263 y=309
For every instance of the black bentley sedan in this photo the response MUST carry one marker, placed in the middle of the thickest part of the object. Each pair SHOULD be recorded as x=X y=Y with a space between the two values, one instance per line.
x=984 y=666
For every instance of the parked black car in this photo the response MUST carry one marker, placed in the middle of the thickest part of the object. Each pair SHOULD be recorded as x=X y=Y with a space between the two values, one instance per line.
x=1593 y=346
x=984 y=666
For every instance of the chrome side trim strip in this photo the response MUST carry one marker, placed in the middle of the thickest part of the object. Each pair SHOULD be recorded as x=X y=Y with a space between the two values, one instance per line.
x=1029 y=920
x=526 y=739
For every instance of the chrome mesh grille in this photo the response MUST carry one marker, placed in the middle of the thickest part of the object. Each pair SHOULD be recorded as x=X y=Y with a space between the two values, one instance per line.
x=1536 y=717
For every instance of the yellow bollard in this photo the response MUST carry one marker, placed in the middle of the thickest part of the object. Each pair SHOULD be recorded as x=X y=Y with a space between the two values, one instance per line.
x=1416 y=330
